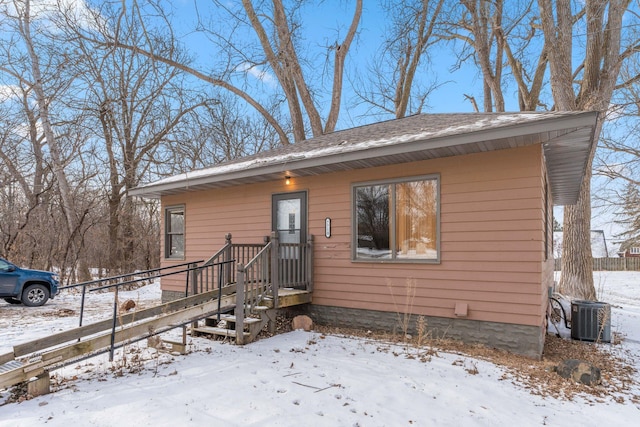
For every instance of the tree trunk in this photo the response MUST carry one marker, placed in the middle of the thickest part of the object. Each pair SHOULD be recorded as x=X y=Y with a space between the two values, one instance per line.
x=577 y=265
x=600 y=68
x=54 y=150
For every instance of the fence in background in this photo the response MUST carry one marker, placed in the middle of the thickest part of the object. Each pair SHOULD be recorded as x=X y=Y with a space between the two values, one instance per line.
x=610 y=264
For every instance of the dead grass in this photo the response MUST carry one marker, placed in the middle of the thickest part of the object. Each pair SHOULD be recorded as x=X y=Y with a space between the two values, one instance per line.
x=617 y=370
x=539 y=376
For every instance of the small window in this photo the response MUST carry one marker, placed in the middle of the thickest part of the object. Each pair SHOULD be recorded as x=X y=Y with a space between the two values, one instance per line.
x=174 y=232
x=397 y=220
x=634 y=251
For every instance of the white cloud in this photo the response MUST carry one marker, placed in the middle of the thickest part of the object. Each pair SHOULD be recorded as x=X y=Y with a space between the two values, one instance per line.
x=7 y=92
x=252 y=70
x=46 y=11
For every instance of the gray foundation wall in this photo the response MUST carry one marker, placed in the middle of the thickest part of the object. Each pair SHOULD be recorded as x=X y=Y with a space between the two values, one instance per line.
x=519 y=339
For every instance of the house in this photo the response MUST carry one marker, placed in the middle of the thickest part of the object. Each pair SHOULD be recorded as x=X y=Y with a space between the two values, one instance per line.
x=444 y=216
x=629 y=248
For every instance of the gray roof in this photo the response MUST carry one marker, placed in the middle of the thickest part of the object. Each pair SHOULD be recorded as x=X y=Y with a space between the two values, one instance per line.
x=567 y=138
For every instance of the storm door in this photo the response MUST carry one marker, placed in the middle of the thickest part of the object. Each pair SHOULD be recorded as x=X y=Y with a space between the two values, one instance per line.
x=289 y=221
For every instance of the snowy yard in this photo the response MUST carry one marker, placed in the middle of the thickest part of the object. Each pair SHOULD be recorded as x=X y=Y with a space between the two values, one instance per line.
x=303 y=378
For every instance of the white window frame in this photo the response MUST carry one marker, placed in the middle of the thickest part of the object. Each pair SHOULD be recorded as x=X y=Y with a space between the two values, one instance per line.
x=168 y=234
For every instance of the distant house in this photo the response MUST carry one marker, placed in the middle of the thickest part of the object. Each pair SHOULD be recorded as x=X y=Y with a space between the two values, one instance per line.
x=446 y=216
x=599 y=247
x=629 y=249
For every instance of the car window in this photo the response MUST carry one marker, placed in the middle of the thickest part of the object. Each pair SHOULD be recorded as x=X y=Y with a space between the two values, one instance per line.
x=4 y=266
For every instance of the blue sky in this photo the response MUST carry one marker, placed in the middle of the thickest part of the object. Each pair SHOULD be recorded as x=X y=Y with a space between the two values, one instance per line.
x=328 y=22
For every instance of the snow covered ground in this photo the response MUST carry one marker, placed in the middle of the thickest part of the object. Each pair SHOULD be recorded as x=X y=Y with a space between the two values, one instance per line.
x=300 y=378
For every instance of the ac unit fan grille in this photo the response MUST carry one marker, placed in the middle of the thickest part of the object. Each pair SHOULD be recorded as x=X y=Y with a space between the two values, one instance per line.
x=590 y=321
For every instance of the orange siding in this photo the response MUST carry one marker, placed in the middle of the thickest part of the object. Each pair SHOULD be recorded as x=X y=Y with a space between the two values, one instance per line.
x=492 y=237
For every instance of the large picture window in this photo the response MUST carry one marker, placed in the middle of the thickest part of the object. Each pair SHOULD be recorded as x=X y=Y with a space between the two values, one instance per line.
x=397 y=220
x=174 y=232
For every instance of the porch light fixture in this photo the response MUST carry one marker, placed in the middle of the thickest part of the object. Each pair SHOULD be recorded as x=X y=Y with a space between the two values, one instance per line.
x=287 y=180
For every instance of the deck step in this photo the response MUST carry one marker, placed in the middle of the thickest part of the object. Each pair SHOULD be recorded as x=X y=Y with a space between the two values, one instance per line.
x=211 y=330
x=232 y=319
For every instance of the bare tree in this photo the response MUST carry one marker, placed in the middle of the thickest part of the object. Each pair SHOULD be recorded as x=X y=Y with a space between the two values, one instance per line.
x=42 y=72
x=589 y=87
x=116 y=95
x=26 y=181
x=629 y=213
x=618 y=159
x=394 y=84
x=132 y=106
x=483 y=20
x=588 y=33
x=275 y=28
x=501 y=38
x=213 y=134
x=24 y=22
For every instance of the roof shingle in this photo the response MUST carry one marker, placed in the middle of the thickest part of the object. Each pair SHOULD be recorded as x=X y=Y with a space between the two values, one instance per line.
x=567 y=138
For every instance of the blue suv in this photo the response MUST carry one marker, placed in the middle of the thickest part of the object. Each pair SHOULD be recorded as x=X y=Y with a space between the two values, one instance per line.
x=29 y=287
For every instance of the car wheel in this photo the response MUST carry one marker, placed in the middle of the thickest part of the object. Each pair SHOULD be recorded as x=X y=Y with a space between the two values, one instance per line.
x=35 y=295
x=13 y=300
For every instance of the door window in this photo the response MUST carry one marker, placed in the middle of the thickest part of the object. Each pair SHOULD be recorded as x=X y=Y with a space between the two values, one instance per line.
x=289 y=220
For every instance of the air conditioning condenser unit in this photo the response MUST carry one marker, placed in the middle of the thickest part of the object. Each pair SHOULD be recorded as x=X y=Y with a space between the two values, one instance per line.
x=590 y=321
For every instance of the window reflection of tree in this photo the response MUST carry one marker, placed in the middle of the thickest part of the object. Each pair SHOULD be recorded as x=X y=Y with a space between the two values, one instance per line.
x=373 y=215
x=415 y=217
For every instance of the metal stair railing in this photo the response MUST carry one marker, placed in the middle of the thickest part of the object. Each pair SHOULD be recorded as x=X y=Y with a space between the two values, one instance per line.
x=130 y=278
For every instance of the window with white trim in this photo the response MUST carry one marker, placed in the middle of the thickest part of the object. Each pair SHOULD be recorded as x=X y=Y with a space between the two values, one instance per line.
x=174 y=232
x=397 y=220
x=634 y=251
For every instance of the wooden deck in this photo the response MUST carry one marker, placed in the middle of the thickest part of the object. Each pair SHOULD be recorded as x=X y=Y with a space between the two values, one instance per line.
x=288 y=297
